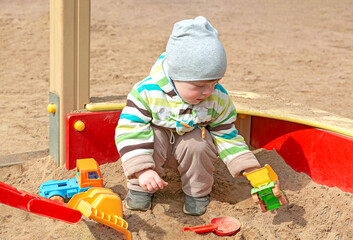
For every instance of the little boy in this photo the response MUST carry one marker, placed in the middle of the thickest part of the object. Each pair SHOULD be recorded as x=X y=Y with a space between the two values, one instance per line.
x=181 y=117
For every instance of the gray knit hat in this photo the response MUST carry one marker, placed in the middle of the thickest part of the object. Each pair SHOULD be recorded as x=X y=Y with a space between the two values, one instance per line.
x=194 y=52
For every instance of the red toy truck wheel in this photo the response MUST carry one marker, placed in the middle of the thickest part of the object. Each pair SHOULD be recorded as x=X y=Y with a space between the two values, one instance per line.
x=256 y=198
x=262 y=206
x=282 y=200
x=276 y=191
x=259 y=202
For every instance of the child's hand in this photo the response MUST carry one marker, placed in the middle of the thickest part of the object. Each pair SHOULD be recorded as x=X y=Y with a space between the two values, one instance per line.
x=149 y=180
x=250 y=169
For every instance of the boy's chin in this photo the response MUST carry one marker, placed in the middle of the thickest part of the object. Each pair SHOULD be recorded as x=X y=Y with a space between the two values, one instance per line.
x=193 y=102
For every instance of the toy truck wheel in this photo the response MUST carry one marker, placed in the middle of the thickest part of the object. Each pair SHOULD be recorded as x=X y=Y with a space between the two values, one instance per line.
x=276 y=191
x=57 y=198
x=282 y=200
x=262 y=206
x=256 y=198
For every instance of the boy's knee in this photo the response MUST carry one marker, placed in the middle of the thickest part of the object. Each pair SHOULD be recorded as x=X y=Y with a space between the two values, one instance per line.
x=194 y=144
x=192 y=150
x=201 y=149
x=197 y=154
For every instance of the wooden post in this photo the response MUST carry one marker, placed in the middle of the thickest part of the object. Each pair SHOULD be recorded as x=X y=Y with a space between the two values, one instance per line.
x=243 y=125
x=69 y=66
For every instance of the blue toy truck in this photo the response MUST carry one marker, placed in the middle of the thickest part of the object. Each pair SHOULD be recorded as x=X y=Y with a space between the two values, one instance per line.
x=87 y=176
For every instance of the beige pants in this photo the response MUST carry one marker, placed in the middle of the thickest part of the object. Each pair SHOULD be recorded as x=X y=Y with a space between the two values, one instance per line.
x=190 y=154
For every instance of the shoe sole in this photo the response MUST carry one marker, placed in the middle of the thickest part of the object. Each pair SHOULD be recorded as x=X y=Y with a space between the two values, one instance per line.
x=190 y=213
x=137 y=209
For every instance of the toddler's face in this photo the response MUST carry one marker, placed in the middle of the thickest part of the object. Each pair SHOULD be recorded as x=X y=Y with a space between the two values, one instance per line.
x=195 y=91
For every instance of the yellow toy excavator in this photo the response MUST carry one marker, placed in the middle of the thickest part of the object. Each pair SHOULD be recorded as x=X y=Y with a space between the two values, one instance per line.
x=101 y=205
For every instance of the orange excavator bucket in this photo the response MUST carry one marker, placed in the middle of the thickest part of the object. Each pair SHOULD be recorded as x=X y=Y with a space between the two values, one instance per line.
x=102 y=205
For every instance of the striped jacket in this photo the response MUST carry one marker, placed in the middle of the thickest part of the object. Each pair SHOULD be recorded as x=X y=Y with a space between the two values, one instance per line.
x=153 y=101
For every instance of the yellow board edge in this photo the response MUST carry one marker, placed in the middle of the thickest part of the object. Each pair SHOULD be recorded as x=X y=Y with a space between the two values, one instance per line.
x=309 y=123
x=119 y=106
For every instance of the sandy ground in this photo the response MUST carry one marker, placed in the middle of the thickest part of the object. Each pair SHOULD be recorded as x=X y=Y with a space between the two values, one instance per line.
x=292 y=57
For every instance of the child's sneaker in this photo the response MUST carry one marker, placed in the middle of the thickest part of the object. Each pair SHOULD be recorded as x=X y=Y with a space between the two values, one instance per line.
x=196 y=206
x=138 y=200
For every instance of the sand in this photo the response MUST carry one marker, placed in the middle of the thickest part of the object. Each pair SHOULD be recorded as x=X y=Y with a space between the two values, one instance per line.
x=285 y=57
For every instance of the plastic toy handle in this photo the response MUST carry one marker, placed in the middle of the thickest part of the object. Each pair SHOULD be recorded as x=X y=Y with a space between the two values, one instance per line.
x=201 y=229
x=55 y=210
x=38 y=205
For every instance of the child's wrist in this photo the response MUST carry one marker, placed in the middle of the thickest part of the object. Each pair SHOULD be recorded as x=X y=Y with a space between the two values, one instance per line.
x=138 y=174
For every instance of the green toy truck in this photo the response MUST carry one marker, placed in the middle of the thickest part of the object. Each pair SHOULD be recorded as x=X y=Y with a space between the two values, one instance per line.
x=266 y=193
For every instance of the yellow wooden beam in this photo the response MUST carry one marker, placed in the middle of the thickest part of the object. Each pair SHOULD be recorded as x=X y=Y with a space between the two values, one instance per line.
x=97 y=107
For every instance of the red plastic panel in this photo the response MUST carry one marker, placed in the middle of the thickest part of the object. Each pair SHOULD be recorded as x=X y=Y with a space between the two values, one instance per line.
x=95 y=141
x=323 y=155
